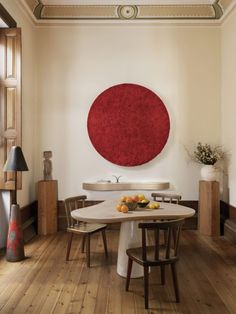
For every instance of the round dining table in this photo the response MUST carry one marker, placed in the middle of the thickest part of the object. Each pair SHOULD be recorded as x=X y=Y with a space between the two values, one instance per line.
x=130 y=234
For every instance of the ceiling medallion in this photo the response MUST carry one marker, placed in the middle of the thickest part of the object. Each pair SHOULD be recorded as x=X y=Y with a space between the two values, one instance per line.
x=127 y=11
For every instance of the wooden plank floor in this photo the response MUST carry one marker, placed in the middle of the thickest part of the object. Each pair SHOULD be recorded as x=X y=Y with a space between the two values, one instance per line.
x=45 y=283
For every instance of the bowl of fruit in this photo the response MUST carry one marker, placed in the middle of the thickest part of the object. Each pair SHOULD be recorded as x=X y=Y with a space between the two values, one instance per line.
x=131 y=206
x=143 y=203
x=130 y=201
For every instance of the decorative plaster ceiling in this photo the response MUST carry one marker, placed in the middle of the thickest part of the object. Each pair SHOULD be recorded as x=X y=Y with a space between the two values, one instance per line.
x=128 y=9
x=124 y=2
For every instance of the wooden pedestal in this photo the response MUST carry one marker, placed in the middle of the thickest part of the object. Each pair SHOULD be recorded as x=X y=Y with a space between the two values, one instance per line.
x=47 y=207
x=209 y=208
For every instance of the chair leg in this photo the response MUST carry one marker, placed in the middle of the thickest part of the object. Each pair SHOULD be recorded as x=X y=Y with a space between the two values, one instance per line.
x=70 y=236
x=104 y=242
x=88 y=250
x=83 y=242
x=175 y=282
x=129 y=269
x=146 y=286
x=163 y=277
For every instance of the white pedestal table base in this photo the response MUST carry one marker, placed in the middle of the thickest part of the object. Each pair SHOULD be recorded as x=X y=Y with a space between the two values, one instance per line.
x=130 y=236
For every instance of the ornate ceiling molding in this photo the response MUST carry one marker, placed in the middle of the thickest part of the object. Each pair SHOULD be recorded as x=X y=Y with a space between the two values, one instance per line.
x=224 y=4
x=129 y=12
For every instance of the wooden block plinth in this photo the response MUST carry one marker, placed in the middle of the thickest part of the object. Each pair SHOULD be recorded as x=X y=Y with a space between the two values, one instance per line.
x=47 y=207
x=209 y=208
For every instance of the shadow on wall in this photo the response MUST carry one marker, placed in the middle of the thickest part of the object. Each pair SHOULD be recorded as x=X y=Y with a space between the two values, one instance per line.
x=4 y=216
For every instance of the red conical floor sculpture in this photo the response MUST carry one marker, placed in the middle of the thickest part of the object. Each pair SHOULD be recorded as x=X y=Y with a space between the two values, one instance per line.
x=15 y=243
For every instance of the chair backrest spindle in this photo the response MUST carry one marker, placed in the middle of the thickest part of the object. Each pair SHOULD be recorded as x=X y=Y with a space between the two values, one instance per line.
x=144 y=246
x=166 y=197
x=72 y=203
x=157 y=243
x=168 y=250
x=168 y=244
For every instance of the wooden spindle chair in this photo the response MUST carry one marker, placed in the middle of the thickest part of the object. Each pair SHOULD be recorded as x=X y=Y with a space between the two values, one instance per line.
x=77 y=227
x=166 y=197
x=160 y=254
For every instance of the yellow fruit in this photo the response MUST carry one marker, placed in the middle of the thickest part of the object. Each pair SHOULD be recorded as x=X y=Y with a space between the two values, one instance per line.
x=157 y=205
x=144 y=201
x=152 y=206
x=124 y=209
x=141 y=197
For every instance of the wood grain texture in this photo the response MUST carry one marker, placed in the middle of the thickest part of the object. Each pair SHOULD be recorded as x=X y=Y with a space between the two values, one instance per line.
x=10 y=101
x=106 y=212
x=209 y=208
x=190 y=223
x=47 y=207
x=45 y=283
x=125 y=186
x=230 y=230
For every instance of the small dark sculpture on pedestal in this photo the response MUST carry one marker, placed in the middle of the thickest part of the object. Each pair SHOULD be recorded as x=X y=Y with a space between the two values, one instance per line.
x=47 y=166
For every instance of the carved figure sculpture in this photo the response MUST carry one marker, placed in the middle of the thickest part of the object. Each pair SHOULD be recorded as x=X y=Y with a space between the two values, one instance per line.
x=47 y=165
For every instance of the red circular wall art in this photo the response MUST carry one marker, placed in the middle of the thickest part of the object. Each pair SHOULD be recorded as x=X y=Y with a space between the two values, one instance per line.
x=128 y=124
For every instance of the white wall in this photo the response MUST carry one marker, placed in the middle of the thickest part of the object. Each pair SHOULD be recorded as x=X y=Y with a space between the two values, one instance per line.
x=228 y=100
x=29 y=76
x=75 y=64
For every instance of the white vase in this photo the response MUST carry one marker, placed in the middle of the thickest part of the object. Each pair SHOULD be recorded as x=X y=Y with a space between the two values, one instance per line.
x=209 y=173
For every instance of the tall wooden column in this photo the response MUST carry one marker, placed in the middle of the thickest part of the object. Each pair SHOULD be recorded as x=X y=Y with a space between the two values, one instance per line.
x=209 y=208
x=47 y=207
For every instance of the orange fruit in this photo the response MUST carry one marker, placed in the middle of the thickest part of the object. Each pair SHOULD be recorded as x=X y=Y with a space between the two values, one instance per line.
x=129 y=199
x=123 y=199
x=135 y=198
x=124 y=209
x=118 y=207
